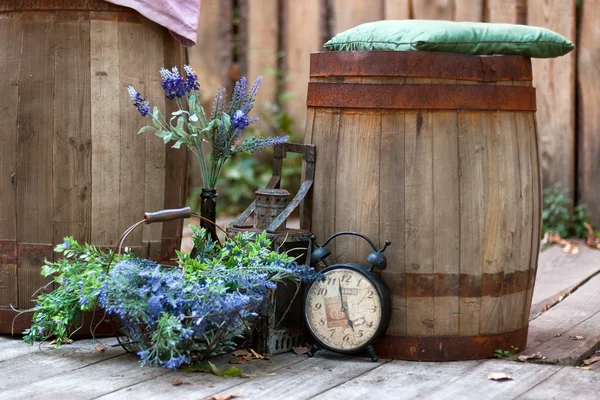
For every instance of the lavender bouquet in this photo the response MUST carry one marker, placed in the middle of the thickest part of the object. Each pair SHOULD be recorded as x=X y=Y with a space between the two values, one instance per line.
x=212 y=140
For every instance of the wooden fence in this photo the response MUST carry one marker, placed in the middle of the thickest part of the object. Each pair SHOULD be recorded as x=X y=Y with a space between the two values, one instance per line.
x=274 y=38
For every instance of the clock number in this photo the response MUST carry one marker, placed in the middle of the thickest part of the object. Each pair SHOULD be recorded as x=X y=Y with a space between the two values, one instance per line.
x=370 y=295
x=373 y=309
x=360 y=334
x=346 y=278
x=331 y=333
x=322 y=292
x=346 y=338
x=359 y=281
x=318 y=306
x=322 y=322
x=331 y=281
x=370 y=324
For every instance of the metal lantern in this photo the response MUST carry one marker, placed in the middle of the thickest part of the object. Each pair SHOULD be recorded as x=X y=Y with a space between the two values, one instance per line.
x=280 y=326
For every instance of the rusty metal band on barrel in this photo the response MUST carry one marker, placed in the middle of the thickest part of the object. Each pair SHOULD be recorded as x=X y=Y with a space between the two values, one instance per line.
x=421 y=97
x=449 y=348
x=420 y=64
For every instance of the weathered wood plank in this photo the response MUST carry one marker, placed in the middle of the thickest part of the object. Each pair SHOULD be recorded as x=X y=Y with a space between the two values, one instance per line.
x=367 y=200
x=446 y=219
x=202 y=385
x=308 y=378
x=473 y=171
x=37 y=364
x=72 y=144
x=560 y=273
x=387 y=382
x=302 y=36
x=432 y=9
x=263 y=48
x=396 y=9
x=578 y=314
x=469 y=10
x=492 y=308
x=475 y=383
x=323 y=193
x=568 y=383
x=154 y=170
x=588 y=117
x=346 y=195
x=88 y=382
x=133 y=146
x=10 y=50
x=105 y=124
x=418 y=212
x=506 y=11
x=554 y=80
x=391 y=213
x=34 y=154
x=350 y=13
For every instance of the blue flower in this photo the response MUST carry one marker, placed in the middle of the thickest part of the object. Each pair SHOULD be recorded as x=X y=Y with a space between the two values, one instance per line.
x=240 y=120
x=66 y=245
x=139 y=102
x=175 y=362
x=191 y=82
x=173 y=84
x=154 y=306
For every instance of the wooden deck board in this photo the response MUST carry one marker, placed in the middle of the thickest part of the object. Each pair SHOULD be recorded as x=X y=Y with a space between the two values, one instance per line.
x=201 y=385
x=578 y=314
x=399 y=380
x=559 y=273
x=568 y=383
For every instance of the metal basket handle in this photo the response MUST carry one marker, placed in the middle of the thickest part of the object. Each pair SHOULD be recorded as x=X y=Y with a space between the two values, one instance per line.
x=161 y=216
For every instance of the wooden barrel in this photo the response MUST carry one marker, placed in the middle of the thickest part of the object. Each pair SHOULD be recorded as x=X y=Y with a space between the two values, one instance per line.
x=71 y=162
x=437 y=153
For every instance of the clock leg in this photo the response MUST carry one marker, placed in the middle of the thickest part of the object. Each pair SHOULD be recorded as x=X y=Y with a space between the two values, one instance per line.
x=313 y=349
x=372 y=354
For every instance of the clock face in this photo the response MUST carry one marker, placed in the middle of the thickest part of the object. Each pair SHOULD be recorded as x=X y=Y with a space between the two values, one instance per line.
x=343 y=311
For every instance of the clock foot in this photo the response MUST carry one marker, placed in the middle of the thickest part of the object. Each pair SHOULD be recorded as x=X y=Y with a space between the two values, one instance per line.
x=372 y=354
x=313 y=349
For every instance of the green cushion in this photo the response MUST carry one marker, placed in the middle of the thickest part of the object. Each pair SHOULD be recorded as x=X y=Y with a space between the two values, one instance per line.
x=452 y=37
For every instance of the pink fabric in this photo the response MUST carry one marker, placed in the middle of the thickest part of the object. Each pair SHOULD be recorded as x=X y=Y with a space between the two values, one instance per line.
x=179 y=16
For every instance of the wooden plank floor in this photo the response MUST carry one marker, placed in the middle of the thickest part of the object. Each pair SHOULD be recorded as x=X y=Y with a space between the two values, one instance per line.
x=78 y=371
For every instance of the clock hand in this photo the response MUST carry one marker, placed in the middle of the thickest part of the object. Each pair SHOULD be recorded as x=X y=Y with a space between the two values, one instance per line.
x=350 y=323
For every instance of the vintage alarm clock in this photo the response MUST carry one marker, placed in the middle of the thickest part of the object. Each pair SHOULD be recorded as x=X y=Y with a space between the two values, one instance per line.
x=349 y=310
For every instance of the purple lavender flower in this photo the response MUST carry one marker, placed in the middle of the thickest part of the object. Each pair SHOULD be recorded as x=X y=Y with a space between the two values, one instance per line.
x=255 y=144
x=240 y=120
x=191 y=82
x=173 y=84
x=139 y=102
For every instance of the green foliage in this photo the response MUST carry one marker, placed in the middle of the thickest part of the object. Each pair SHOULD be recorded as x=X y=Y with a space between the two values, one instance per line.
x=79 y=276
x=506 y=354
x=556 y=215
x=172 y=316
x=245 y=173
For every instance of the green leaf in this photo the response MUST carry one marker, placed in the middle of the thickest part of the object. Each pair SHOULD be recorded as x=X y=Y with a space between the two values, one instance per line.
x=229 y=372
x=145 y=128
x=177 y=144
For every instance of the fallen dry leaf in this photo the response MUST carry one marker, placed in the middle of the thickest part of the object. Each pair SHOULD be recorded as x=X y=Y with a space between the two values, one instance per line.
x=241 y=352
x=554 y=238
x=245 y=375
x=257 y=355
x=238 y=360
x=569 y=248
x=558 y=335
x=576 y=337
x=591 y=240
x=300 y=350
x=588 y=368
x=270 y=374
x=530 y=356
x=178 y=381
x=100 y=348
x=591 y=360
x=227 y=396
x=499 y=376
